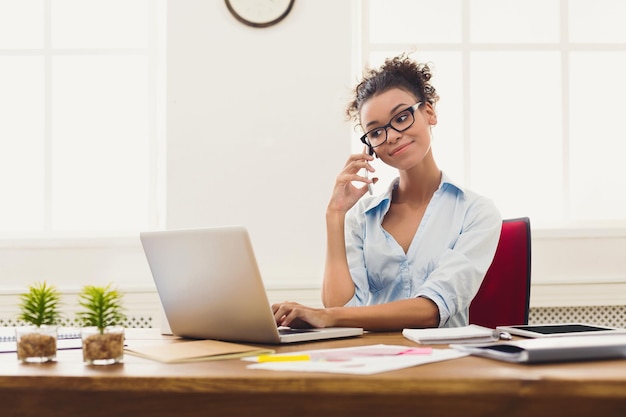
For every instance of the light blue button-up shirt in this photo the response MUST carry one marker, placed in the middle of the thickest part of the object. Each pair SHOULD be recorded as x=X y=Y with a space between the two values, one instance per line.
x=446 y=262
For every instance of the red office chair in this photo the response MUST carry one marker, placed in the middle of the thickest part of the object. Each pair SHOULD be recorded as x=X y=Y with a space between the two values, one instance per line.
x=504 y=296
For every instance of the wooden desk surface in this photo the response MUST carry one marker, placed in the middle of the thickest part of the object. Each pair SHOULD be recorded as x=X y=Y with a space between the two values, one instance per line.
x=469 y=386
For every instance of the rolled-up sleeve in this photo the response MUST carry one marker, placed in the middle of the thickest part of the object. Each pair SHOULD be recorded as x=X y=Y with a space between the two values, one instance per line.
x=459 y=272
x=356 y=260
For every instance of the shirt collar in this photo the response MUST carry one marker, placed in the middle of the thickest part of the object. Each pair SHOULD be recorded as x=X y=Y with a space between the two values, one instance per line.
x=386 y=196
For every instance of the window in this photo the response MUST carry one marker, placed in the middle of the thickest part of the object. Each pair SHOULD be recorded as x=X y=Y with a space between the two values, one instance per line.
x=531 y=91
x=79 y=132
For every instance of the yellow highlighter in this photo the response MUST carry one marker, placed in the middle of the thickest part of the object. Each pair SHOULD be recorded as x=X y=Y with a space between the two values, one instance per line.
x=283 y=358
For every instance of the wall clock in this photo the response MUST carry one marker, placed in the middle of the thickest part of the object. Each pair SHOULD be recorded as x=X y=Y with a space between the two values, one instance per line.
x=259 y=13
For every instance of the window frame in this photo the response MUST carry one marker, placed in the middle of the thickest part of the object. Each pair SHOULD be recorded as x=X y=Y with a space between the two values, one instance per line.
x=568 y=228
x=155 y=53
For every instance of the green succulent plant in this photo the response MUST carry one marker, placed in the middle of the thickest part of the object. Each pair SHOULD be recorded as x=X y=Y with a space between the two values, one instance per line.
x=40 y=305
x=102 y=307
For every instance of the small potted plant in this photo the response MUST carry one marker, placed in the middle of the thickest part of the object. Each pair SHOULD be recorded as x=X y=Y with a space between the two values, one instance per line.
x=39 y=307
x=101 y=318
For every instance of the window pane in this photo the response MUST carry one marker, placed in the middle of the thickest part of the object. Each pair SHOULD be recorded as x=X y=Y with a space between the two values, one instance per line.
x=597 y=21
x=99 y=23
x=415 y=21
x=516 y=133
x=500 y=21
x=21 y=143
x=100 y=135
x=598 y=135
x=21 y=24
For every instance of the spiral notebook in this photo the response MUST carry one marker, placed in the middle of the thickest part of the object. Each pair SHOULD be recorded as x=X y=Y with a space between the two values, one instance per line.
x=67 y=338
x=7 y=334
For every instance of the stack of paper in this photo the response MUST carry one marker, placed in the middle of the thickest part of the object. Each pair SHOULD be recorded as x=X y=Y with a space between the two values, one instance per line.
x=466 y=334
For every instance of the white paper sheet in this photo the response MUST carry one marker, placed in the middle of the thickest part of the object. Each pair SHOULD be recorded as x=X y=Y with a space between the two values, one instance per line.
x=362 y=360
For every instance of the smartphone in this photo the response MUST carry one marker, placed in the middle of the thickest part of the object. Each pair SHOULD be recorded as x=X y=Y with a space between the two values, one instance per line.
x=370 y=187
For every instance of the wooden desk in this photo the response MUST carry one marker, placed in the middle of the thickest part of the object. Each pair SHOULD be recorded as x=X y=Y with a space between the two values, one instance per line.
x=468 y=386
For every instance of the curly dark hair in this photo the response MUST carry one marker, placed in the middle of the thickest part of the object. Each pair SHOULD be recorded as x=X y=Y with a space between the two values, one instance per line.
x=397 y=72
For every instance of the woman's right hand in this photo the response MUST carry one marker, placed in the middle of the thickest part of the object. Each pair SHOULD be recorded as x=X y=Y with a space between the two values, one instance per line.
x=298 y=316
x=345 y=194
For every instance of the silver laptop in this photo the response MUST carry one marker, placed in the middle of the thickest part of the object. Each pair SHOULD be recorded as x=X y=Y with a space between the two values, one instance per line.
x=211 y=288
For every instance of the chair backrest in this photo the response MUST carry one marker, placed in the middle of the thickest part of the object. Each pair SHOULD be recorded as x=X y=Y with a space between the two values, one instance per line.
x=504 y=296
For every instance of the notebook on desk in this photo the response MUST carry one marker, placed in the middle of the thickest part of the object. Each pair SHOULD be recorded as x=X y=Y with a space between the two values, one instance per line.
x=211 y=288
x=557 y=349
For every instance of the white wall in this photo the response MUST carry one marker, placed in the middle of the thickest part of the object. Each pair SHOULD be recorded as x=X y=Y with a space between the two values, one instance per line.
x=256 y=136
x=255 y=127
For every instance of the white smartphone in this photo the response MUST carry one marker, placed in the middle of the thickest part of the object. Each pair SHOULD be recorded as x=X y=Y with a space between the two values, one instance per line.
x=370 y=187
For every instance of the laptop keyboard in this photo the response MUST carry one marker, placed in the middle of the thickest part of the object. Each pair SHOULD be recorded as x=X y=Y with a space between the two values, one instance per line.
x=287 y=330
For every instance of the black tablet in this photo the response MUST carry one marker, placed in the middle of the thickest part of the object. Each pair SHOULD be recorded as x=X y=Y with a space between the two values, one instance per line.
x=560 y=329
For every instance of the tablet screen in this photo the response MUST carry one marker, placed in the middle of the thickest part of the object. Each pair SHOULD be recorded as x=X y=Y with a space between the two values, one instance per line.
x=565 y=329
x=562 y=328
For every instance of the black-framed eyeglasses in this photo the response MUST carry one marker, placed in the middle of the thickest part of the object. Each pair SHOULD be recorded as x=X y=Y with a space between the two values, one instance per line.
x=399 y=122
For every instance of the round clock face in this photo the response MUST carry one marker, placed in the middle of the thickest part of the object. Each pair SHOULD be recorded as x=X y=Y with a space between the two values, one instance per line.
x=259 y=13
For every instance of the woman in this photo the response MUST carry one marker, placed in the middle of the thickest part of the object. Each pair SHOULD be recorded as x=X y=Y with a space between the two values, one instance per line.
x=416 y=255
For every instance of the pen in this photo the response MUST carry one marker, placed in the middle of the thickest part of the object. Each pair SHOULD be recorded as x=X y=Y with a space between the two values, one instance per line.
x=505 y=336
x=283 y=358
